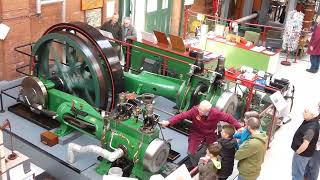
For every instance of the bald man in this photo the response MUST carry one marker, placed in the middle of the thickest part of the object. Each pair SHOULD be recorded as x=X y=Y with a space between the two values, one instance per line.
x=113 y=26
x=204 y=123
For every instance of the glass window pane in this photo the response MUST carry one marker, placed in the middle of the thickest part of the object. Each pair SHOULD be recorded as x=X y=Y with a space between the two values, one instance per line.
x=152 y=5
x=165 y=4
x=110 y=8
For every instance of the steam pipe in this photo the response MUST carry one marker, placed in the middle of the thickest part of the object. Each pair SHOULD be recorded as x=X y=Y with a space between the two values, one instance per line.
x=110 y=156
x=246 y=18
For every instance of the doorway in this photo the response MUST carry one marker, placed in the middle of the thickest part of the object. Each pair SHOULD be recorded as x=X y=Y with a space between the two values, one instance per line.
x=158 y=15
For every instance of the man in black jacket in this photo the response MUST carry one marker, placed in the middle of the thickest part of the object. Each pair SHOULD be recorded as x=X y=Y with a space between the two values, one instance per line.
x=114 y=27
x=229 y=146
x=304 y=143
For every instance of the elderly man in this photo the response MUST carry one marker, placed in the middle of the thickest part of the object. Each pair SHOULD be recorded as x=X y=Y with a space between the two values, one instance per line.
x=128 y=31
x=204 y=123
x=304 y=143
x=113 y=27
x=313 y=167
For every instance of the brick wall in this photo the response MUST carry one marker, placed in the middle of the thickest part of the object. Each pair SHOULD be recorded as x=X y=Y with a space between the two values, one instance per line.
x=199 y=6
x=27 y=27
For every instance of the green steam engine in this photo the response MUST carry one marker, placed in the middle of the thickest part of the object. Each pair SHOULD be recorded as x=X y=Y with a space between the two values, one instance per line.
x=79 y=81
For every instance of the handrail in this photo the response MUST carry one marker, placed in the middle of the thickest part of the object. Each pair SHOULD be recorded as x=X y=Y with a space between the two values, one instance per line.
x=190 y=12
x=231 y=20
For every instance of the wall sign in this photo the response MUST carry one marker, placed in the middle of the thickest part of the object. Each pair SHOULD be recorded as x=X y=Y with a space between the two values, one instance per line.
x=91 y=4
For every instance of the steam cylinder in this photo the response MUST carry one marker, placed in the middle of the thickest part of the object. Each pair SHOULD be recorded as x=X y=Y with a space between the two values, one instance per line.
x=146 y=82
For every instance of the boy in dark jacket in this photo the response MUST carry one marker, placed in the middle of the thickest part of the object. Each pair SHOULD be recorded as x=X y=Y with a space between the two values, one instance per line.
x=209 y=165
x=229 y=146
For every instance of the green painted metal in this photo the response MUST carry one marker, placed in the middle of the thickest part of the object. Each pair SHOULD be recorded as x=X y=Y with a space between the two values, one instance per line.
x=128 y=134
x=147 y=82
x=237 y=57
x=176 y=90
x=79 y=76
x=158 y=18
x=175 y=69
x=124 y=9
x=93 y=117
x=179 y=88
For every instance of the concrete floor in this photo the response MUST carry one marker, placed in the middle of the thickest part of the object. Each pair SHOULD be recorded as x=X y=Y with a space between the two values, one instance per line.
x=50 y=165
x=278 y=159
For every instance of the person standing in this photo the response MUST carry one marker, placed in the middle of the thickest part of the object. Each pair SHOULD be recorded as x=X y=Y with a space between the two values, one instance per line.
x=128 y=31
x=314 y=48
x=229 y=146
x=251 y=152
x=304 y=143
x=113 y=26
x=204 y=123
x=244 y=135
x=312 y=169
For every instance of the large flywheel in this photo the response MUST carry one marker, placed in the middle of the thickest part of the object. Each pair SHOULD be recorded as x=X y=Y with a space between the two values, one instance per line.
x=81 y=61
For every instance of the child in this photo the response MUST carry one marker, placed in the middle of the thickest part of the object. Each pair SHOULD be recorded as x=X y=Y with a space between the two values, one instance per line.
x=245 y=134
x=209 y=165
x=229 y=146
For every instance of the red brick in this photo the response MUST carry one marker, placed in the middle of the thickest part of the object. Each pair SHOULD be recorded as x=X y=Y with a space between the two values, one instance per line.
x=26 y=29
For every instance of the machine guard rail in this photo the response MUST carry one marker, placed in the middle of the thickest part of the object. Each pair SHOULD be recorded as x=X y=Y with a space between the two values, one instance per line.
x=216 y=18
x=126 y=66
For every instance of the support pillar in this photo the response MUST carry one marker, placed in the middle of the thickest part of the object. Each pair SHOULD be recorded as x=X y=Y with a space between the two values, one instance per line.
x=247 y=8
x=263 y=13
x=225 y=9
x=3 y=168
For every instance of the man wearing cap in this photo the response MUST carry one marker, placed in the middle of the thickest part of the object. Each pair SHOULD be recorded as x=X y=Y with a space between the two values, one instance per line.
x=204 y=123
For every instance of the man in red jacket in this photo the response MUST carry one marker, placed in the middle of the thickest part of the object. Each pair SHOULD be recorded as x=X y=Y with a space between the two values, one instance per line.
x=314 y=48
x=204 y=123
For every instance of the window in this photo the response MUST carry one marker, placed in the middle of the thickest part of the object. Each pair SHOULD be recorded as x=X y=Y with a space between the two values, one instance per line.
x=165 y=4
x=152 y=5
x=110 y=8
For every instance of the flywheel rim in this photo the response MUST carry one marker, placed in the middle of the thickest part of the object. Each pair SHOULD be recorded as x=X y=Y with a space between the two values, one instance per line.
x=105 y=50
x=42 y=53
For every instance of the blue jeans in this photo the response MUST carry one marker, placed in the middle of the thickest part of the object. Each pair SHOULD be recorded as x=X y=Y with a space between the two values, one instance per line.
x=240 y=178
x=312 y=169
x=315 y=62
x=299 y=164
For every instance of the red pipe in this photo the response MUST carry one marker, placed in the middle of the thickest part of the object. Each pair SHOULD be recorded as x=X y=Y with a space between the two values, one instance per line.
x=273 y=123
x=164 y=66
x=127 y=65
x=186 y=21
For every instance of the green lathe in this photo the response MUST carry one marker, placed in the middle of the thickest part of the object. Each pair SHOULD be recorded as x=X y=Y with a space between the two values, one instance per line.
x=78 y=80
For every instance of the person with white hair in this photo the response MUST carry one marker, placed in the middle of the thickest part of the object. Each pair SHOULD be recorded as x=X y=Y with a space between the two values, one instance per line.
x=313 y=167
x=128 y=31
x=304 y=142
x=204 y=119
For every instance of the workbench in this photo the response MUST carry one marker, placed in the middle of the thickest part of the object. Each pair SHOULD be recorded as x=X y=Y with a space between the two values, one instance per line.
x=172 y=62
x=238 y=55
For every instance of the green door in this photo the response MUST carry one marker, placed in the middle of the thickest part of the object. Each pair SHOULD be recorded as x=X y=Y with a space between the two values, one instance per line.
x=158 y=15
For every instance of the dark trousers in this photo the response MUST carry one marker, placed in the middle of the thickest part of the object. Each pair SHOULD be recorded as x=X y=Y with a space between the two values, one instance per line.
x=315 y=62
x=313 y=166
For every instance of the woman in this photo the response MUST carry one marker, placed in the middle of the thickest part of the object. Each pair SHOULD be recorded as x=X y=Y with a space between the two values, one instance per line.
x=314 y=48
